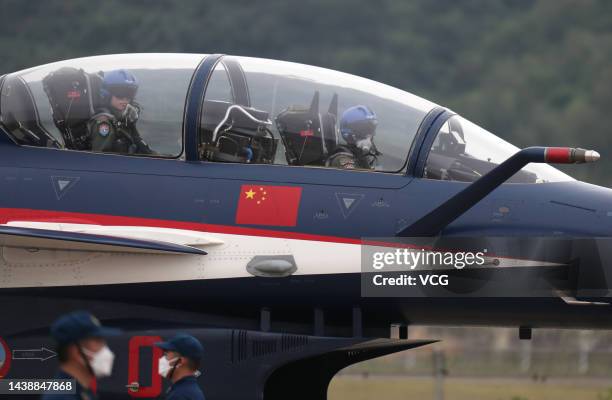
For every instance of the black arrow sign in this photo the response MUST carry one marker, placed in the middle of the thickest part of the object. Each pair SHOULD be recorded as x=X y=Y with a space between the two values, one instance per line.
x=42 y=354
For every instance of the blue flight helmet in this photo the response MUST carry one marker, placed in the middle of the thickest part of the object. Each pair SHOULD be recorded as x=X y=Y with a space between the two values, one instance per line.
x=119 y=83
x=358 y=127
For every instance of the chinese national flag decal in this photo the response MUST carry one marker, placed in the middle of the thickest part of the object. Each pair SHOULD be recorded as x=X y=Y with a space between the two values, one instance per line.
x=268 y=205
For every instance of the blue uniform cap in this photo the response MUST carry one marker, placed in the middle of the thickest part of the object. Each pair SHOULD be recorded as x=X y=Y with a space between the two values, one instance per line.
x=184 y=344
x=78 y=325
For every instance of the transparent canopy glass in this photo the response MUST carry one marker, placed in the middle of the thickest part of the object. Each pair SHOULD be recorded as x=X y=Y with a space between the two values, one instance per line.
x=463 y=151
x=27 y=109
x=314 y=101
x=254 y=111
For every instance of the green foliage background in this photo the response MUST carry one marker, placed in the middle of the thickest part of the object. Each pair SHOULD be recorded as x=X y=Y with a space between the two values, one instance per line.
x=536 y=72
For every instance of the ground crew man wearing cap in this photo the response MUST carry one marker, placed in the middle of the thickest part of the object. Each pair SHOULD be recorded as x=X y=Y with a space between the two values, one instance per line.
x=82 y=353
x=179 y=364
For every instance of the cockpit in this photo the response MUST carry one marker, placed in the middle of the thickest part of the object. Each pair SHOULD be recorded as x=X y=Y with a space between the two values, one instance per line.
x=264 y=111
x=250 y=111
x=63 y=105
x=463 y=151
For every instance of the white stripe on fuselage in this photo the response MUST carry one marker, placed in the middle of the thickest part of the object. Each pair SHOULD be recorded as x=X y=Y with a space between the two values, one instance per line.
x=228 y=256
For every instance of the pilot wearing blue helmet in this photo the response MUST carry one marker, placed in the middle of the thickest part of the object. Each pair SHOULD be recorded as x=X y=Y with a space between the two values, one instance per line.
x=358 y=128
x=82 y=353
x=179 y=364
x=113 y=127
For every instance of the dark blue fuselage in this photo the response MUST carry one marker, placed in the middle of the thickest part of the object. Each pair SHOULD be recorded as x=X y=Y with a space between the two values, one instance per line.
x=204 y=192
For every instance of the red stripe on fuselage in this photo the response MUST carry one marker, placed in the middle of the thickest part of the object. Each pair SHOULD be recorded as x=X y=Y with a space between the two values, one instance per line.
x=24 y=214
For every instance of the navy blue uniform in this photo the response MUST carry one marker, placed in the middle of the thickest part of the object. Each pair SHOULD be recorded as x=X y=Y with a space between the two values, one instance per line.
x=185 y=389
x=80 y=393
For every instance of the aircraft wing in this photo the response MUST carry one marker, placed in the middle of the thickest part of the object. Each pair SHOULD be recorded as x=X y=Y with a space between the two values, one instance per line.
x=53 y=239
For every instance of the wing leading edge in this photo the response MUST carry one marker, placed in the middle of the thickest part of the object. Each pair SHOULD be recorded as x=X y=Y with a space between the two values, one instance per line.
x=24 y=237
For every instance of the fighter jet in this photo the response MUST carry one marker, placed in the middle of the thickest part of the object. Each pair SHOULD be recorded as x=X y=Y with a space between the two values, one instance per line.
x=237 y=198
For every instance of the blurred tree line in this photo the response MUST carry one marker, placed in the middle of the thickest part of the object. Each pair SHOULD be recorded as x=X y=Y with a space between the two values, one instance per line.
x=536 y=72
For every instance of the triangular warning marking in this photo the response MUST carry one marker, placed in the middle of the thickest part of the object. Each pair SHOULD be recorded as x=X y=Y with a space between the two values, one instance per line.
x=62 y=184
x=348 y=202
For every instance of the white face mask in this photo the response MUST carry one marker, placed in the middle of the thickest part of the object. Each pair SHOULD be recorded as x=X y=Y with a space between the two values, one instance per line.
x=101 y=362
x=130 y=113
x=365 y=145
x=164 y=366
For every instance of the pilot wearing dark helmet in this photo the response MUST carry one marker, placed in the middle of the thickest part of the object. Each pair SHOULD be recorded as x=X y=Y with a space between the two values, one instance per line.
x=113 y=127
x=358 y=128
x=179 y=364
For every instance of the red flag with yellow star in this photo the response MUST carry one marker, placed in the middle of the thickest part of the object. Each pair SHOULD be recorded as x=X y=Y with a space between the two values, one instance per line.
x=268 y=205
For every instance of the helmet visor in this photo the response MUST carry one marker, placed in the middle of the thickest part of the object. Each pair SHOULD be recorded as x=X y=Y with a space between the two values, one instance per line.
x=123 y=92
x=364 y=128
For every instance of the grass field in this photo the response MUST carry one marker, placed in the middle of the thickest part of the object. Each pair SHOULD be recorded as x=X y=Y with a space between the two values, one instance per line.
x=352 y=387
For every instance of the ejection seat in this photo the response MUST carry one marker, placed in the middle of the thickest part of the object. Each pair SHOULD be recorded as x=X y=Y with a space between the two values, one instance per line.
x=21 y=117
x=236 y=133
x=74 y=97
x=309 y=137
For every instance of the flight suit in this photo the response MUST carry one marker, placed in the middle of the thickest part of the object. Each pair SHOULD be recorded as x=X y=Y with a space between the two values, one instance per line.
x=185 y=389
x=111 y=132
x=346 y=157
x=81 y=393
